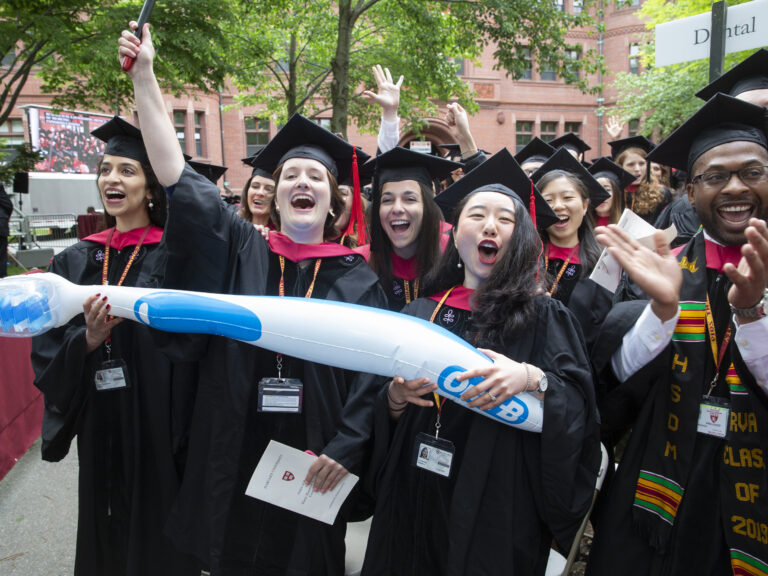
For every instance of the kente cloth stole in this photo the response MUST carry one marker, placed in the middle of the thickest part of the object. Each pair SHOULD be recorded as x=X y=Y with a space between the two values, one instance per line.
x=666 y=463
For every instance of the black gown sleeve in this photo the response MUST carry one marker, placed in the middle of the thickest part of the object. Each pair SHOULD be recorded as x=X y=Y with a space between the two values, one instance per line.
x=205 y=239
x=570 y=452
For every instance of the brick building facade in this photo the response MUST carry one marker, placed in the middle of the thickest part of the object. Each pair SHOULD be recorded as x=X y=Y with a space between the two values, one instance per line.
x=511 y=112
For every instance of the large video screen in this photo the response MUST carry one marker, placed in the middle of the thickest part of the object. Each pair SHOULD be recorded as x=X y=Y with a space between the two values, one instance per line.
x=64 y=140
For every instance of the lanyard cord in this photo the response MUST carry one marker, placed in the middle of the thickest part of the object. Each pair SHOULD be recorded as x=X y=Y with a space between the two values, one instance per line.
x=105 y=274
x=718 y=357
x=562 y=268
x=408 y=290
x=281 y=293
x=438 y=402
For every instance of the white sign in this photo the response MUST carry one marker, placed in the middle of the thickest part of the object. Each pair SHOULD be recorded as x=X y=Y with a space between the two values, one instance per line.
x=689 y=38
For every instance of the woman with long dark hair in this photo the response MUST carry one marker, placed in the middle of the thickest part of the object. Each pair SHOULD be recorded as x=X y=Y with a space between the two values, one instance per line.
x=248 y=396
x=494 y=498
x=407 y=232
x=106 y=384
x=570 y=248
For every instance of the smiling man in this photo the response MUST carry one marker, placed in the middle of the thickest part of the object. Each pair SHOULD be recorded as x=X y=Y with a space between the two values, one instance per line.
x=690 y=375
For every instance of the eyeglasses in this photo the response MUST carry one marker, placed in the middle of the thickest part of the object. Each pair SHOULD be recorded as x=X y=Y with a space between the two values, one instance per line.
x=717 y=179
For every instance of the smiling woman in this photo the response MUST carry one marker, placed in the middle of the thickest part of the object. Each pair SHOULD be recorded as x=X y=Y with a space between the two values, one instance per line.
x=242 y=391
x=407 y=232
x=479 y=486
x=106 y=384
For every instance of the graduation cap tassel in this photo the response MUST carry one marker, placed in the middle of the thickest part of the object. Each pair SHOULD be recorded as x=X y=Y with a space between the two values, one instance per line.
x=357 y=218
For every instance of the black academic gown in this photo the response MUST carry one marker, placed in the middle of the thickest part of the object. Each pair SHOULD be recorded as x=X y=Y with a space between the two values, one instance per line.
x=589 y=302
x=682 y=214
x=131 y=443
x=697 y=543
x=214 y=519
x=510 y=493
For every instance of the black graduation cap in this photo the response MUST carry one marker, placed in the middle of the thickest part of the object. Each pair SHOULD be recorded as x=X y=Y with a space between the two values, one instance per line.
x=210 y=171
x=302 y=138
x=258 y=170
x=535 y=151
x=721 y=120
x=500 y=173
x=619 y=146
x=563 y=160
x=401 y=164
x=571 y=141
x=604 y=167
x=749 y=74
x=123 y=139
x=451 y=149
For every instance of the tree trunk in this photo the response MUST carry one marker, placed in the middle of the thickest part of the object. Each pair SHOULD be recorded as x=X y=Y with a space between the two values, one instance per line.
x=292 y=73
x=340 y=69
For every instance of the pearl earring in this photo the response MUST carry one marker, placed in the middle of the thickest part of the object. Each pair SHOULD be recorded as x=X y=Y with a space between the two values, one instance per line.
x=150 y=204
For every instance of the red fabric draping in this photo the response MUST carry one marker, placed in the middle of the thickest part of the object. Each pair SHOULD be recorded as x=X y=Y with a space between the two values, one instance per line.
x=21 y=404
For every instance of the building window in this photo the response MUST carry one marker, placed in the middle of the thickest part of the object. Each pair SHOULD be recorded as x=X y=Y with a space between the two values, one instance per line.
x=634 y=59
x=459 y=64
x=548 y=131
x=559 y=5
x=256 y=134
x=12 y=132
x=180 y=124
x=547 y=75
x=199 y=133
x=574 y=55
x=523 y=134
x=574 y=127
x=634 y=127
x=527 y=73
x=323 y=123
x=577 y=6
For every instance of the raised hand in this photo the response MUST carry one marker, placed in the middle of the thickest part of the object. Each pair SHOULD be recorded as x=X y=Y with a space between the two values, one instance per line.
x=614 y=127
x=458 y=118
x=142 y=51
x=750 y=278
x=388 y=95
x=657 y=273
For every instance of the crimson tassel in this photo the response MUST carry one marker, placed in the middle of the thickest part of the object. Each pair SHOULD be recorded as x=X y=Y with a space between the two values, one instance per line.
x=356 y=217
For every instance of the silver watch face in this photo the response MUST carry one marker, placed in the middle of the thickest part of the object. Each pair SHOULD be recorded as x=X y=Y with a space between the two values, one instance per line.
x=543 y=383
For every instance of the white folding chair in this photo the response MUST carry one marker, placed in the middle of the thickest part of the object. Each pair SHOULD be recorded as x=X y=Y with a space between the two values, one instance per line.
x=558 y=565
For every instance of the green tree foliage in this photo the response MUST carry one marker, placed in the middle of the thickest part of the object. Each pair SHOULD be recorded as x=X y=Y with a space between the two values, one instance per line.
x=72 y=47
x=18 y=158
x=664 y=97
x=295 y=55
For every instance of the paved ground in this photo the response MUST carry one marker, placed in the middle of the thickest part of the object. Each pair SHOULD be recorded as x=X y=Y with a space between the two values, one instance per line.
x=38 y=516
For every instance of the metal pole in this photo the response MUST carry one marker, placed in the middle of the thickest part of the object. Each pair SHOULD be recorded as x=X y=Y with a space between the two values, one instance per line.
x=717 y=42
x=221 y=128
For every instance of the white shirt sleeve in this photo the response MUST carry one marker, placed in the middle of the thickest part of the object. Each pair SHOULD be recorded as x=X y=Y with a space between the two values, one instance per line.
x=389 y=135
x=647 y=338
x=752 y=341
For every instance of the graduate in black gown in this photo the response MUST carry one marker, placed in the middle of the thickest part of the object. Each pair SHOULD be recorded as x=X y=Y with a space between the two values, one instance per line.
x=570 y=248
x=614 y=179
x=689 y=370
x=214 y=518
x=509 y=494
x=407 y=231
x=132 y=433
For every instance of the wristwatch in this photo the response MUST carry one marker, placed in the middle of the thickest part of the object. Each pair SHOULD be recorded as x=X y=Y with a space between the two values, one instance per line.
x=756 y=311
x=543 y=383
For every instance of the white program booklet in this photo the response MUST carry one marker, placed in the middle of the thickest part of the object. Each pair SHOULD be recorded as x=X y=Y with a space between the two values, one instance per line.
x=607 y=271
x=279 y=480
